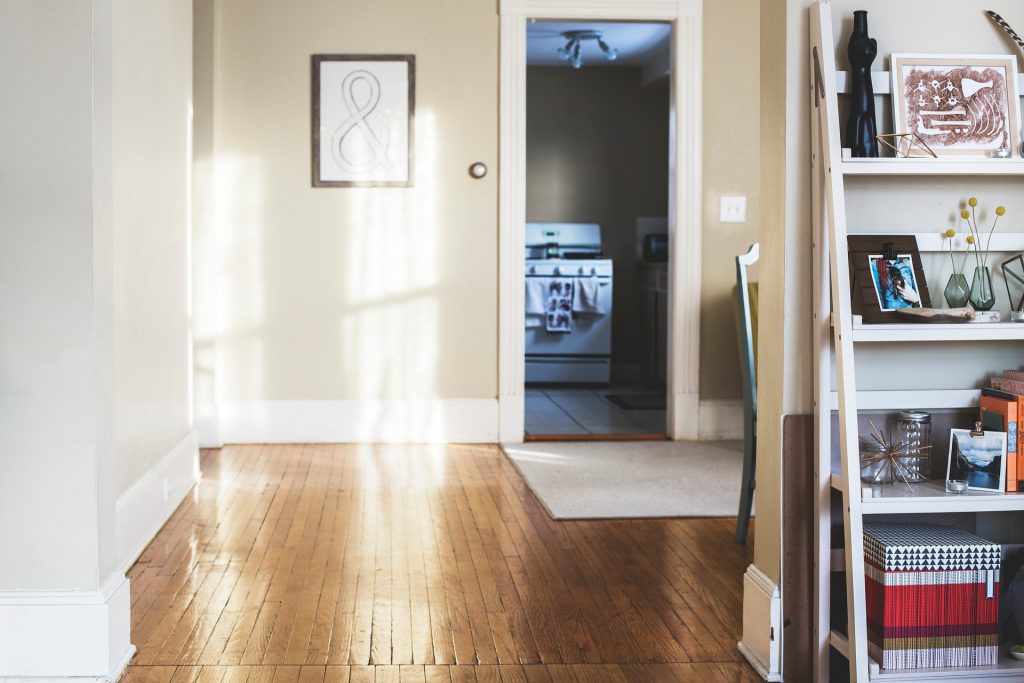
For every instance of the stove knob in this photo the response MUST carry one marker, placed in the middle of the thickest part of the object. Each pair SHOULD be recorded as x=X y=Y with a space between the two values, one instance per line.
x=581 y=270
x=533 y=270
x=593 y=271
x=558 y=271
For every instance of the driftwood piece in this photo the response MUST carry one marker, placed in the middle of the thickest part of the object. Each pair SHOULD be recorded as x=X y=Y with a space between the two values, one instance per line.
x=936 y=315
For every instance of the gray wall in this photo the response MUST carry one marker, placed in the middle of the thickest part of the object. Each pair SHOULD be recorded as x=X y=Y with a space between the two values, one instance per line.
x=597 y=152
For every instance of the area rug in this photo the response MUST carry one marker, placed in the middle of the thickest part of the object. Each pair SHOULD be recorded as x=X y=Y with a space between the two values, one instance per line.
x=638 y=401
x=603 y=480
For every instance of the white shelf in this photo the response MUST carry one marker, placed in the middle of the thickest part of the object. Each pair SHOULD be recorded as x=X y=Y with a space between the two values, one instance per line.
x=945 y=166
x=924 y=332
x=930 y=399
x=881 y=83
x=1007 y=669
x=931 y=497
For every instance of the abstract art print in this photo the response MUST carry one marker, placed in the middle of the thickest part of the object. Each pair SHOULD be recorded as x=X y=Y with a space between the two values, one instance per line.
x=363 y=112
x=978 y=458
x=957 y=104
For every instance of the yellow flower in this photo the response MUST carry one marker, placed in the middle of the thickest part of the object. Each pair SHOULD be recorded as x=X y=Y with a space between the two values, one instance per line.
x=1000 y=210
x=951 y=233
x=970 y=239
x=965 y=214
x=973 y=201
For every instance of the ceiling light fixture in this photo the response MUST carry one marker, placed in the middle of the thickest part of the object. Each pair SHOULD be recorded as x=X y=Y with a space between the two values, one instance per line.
x=573 y=50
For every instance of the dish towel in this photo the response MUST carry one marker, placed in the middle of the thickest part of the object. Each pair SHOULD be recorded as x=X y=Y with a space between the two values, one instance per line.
x=559 y=306
x=587 y=297
x=536 y=301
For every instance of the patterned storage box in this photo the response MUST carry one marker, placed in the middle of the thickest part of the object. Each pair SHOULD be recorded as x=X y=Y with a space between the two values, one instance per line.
x=932 y=596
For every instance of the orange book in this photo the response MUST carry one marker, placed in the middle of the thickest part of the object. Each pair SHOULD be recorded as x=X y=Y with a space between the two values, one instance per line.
x=1001 y=411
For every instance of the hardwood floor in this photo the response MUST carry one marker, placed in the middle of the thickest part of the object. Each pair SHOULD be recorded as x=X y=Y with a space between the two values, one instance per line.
x=351 y=563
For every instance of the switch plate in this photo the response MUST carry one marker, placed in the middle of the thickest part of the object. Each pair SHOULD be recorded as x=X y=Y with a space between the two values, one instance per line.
x=733 y=210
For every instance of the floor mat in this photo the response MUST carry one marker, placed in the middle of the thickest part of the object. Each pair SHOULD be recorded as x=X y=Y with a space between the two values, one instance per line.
x=638 y=401
x=608 y=480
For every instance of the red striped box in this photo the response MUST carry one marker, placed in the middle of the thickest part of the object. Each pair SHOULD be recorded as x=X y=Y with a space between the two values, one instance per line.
x=932 y=596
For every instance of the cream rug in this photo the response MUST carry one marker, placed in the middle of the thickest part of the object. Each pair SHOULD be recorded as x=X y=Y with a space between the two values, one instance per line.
x=602 y=480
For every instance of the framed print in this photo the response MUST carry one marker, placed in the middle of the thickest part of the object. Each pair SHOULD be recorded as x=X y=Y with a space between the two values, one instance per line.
x=363 y=113
x=886 y=274
x=978 y=458
x=957 y=104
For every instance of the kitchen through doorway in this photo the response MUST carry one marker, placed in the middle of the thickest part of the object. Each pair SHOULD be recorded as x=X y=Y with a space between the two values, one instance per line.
x=596 y=275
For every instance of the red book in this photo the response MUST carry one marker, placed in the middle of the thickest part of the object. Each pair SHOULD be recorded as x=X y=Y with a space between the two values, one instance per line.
x=1001 y=411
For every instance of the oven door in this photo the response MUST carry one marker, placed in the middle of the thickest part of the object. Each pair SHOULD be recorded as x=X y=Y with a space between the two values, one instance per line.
x=591 y=335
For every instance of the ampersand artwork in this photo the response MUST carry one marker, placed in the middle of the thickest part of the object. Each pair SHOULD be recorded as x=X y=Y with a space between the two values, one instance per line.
x=355 y=145
x=950 y=107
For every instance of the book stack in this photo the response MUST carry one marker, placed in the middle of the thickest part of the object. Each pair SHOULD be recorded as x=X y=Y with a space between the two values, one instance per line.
x=1002 y=410
x=932 y=596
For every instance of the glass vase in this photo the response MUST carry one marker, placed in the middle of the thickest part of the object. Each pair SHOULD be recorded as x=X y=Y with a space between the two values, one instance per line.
x=982 y=297
x=957 y=291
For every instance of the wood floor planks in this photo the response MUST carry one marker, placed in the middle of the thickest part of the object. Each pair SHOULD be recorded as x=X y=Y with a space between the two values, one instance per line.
x=423 y=564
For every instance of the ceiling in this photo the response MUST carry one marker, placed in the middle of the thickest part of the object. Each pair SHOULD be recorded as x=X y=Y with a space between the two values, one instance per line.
x=637 y=43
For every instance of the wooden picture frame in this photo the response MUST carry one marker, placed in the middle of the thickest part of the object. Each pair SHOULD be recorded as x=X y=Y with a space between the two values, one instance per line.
x=959 y=105
x=363 y=120
x=864 y=295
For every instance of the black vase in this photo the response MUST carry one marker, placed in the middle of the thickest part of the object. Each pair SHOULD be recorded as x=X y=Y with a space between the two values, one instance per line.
x=860 y=127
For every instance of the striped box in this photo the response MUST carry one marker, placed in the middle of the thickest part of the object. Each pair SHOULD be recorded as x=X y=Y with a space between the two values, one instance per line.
x=932 y=596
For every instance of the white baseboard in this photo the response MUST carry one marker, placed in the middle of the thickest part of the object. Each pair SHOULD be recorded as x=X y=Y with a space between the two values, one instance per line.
x=145 y=507
x=61 y=635
x=511 y=418
x=762 y=624
x=360 y=421
x=207 y=426
x=721 y=420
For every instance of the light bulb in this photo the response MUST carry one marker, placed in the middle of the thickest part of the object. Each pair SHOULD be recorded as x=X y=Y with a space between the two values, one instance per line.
x=611 y=55
x=563 y=54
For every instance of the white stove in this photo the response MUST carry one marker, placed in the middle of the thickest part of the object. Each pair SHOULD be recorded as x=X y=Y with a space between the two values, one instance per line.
x=559 y=252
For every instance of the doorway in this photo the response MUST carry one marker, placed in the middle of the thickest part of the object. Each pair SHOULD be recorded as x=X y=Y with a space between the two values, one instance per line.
x=682 y=222
x=596 y=247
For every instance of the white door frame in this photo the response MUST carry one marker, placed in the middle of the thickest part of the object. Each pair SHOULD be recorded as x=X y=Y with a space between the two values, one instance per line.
x=685 y=199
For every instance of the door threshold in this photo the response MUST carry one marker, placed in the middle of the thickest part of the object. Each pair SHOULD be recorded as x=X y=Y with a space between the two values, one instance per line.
x=646 y=436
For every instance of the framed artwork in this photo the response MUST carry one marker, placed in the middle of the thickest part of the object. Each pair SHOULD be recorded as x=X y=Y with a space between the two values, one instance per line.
x=886 y=274
x=979 y=458
x=957 y=104
x=363 y=114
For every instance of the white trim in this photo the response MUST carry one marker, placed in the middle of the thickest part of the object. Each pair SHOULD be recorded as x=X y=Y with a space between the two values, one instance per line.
x=145 y=507
x=59 y=635
x=762 y=624
x=361 y=421
x=685 y=199
x=721 y=419
x=207 y=427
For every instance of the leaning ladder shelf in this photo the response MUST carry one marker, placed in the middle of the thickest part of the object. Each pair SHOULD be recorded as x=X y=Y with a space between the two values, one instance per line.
x=836 y=331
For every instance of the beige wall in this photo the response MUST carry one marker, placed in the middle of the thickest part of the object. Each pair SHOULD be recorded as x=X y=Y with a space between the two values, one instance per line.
x=354 y=293
x=51 y=426
x=327 y=294
x=152 y=93
x=93 y=228
x=731 y=158
x=597 y=152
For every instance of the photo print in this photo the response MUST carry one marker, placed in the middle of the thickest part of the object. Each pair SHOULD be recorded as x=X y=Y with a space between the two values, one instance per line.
x=895 y=284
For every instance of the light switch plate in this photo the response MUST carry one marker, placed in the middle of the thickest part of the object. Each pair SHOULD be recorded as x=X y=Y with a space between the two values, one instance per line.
x=733 y=210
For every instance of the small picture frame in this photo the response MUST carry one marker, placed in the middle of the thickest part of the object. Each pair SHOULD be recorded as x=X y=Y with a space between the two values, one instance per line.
x=894 y=282
x=979 y=458
x=886 y=274
x=363 y=113
x=964 y=105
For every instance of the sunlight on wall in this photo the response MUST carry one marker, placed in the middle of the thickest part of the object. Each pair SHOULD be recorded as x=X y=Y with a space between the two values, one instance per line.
x=240 y=263
x=390 y=325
